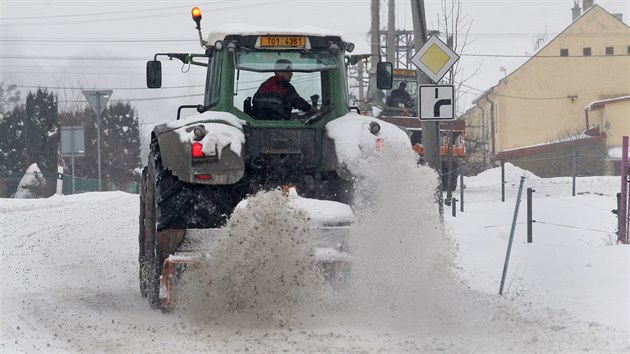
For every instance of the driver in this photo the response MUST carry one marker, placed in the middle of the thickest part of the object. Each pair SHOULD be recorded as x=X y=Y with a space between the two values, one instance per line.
x=400 y=95
x=276 y=97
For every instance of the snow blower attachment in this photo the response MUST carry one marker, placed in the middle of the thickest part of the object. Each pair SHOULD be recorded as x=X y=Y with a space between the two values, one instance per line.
x=231 y=147
x=328 y=235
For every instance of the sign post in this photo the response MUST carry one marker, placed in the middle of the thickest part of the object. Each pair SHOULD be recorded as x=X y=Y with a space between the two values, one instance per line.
x=73 y=145
x=98 y=100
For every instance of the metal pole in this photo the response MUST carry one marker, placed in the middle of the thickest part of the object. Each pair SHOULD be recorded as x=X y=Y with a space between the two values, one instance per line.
x=461 y=188
x=391 y=31
x=623 y=236
x=73 y=167
x=574 y=171
x=454 y=206
x=98 y=139
x=72 y=156
x=430 y=129
x=375 y=46
x=509 y=249
x=361 y=84
x=619 y=216
x=503 y=180
x=529 y=215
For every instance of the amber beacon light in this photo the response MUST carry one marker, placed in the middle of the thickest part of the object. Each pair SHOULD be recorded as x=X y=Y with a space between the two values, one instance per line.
x=196 y=15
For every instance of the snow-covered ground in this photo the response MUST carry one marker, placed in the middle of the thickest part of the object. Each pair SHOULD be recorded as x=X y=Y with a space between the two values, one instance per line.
x=69 y=275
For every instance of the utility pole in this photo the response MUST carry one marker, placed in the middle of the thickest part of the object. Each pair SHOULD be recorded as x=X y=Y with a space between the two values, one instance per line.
x=374 y=36
x=360 y=69
x=430 y=129
x=391 y=33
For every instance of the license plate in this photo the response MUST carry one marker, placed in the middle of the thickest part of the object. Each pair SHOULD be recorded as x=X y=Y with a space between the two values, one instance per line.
x=282 y=41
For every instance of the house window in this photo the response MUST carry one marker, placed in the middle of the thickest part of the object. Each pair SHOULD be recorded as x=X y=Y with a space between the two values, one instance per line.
x=629 y=49
x=564 y=52
x=610 y=50
x=586 y=52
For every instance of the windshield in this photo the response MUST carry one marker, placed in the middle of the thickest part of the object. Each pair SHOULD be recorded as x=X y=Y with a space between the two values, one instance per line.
x=309 y=68
x=301 y=60
x=412 y=86
x=306 y=84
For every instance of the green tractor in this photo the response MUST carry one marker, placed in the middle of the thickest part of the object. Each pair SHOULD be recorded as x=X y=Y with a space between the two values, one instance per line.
x=200 y=167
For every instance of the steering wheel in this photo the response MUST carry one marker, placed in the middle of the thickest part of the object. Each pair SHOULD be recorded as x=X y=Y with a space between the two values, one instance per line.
x=316 y=116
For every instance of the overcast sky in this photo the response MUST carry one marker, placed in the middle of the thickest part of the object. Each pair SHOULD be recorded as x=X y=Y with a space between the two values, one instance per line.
x=54 y=43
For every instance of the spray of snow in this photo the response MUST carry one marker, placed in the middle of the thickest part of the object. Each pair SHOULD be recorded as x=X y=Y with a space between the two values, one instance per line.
x=262 y=269
x=264 y=266
x=404 y=259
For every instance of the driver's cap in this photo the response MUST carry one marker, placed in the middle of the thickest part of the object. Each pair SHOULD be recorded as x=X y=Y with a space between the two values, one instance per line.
x=283 y=65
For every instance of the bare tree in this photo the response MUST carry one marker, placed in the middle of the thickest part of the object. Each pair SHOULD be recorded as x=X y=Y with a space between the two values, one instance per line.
x=454 y=26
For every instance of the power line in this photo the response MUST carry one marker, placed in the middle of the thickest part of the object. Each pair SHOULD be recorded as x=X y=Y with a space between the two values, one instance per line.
x=93 y=41
x=242 y=82
x=92 y=14
x=132 y=99
x=132 y=15
x=519 y=97
x=111 y=88
x=160 y=40
x=43 y=57
x=541 y=56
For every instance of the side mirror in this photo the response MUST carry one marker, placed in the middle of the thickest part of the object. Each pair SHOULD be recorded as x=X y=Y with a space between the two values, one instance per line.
x=384 y=80
x=154 y=74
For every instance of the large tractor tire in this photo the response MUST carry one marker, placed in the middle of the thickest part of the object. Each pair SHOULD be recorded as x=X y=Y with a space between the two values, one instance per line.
x=143 y=258
x=170 y=204
x=151 y=266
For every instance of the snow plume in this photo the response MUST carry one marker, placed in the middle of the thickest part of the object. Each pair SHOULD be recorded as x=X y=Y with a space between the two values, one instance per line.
x=263 y=268
x=403 y=268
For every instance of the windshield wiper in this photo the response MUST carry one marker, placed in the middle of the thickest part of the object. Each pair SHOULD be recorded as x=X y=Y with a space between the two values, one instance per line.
x=319 y=60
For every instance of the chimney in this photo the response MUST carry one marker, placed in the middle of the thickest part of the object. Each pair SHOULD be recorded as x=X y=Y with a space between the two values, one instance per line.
x=587 y=4
x=575 y=11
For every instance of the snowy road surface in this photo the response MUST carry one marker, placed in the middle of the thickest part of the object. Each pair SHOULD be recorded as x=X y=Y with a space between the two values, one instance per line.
x=69 y=284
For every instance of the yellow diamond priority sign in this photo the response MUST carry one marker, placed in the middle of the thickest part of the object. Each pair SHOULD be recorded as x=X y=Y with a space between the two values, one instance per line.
x=435 y=58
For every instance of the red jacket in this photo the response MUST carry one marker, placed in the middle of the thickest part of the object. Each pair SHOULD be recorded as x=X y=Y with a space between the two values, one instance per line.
x=276 y=98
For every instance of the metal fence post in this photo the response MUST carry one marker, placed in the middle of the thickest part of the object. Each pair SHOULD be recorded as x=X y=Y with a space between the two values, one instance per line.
x=529 y=214
x=461 y=188
x=454 y=206
x=503 y=180
x=509 y=249
x=623 y=206
x=574 y=171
